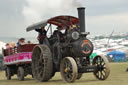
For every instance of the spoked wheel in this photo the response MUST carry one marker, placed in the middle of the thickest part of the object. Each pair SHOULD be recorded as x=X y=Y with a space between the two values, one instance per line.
x=20 y=73
x=68 y=69
x=79 y=76
x=8 y=73
x=103 y=69
x=42 y=64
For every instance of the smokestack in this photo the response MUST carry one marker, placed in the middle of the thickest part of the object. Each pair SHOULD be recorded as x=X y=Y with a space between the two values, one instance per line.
x=81 y=14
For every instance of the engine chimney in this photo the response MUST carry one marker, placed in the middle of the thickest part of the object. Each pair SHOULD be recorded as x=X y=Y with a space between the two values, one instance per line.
x=81 y=14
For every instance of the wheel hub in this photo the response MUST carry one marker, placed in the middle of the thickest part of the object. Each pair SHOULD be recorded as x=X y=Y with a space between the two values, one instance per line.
x=100 y=67
x=66 y=70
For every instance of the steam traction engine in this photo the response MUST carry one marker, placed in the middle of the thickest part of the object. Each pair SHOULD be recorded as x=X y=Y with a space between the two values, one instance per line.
x=67 y=53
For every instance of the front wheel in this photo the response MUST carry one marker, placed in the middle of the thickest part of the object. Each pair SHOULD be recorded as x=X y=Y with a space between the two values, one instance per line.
x=69 y=69
x=103 y=69
x=20 y=73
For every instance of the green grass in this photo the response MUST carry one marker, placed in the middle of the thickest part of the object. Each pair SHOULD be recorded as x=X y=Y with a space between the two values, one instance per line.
x=118 y=76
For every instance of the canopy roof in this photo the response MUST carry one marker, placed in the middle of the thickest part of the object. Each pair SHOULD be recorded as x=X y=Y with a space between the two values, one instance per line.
x=58 y=21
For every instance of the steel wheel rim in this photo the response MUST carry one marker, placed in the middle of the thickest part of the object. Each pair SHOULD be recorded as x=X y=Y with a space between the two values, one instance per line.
x=103 y=68
x=42 y=64
x=69 y=70
x=39 y=64
x=68 y=67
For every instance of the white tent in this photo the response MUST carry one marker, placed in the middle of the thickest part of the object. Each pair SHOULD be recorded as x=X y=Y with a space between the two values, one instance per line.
x=99 y=52
x=2 y=45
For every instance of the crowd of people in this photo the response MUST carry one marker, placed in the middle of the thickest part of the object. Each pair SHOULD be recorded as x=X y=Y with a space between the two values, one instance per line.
x=21 y=41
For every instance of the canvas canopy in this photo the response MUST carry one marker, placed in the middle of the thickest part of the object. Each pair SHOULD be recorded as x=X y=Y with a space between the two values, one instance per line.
x=58 y=21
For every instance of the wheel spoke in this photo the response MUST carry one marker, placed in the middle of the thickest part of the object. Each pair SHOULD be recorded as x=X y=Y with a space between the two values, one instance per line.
x=100 y=61
x=104 y=70
x=103 y=64
x=41 y=71
x=70 y=76
x=66 y=64
x=102 y=75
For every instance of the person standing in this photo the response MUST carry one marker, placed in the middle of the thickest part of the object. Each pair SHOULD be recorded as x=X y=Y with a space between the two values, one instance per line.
x=21 y=41
x=42 y=34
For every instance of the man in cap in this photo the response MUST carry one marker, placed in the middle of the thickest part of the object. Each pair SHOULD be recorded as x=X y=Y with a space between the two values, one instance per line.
x=21 y=41
x=42 y=34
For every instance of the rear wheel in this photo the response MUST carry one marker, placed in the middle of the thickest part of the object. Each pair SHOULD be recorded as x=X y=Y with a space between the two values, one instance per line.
x=8 y=73
x=68 y=69
x=20 y=73
x=103 y=70
x=42 y=64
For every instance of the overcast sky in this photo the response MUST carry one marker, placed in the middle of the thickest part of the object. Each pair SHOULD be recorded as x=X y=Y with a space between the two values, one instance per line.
x=102 y=16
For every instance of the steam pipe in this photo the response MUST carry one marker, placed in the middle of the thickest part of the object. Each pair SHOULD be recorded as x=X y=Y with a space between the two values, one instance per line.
x=81 y=15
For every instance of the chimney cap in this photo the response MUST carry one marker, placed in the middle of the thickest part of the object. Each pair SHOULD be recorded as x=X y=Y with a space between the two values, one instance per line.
x=81 y=8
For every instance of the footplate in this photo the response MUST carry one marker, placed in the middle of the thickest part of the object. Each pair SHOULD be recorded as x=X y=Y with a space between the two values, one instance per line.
x=87 y=69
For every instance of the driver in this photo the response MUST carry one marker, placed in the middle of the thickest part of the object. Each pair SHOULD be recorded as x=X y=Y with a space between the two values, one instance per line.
x=42 y=34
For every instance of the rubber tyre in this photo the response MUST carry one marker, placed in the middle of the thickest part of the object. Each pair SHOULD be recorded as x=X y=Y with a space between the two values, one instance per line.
x=73 y=73
x=42 y=63
x=20 y=73
x=101 y=74
x=8 y=73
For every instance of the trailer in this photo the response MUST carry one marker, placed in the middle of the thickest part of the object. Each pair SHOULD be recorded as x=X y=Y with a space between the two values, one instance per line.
x=18 y=60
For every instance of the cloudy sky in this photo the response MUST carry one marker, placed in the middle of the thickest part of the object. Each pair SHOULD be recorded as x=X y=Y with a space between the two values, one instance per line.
x=102 y=16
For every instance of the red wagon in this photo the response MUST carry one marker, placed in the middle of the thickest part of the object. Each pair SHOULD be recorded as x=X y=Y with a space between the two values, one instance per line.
x=18 y=61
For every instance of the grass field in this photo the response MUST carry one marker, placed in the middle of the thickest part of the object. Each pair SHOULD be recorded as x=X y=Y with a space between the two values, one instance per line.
x=118 y=76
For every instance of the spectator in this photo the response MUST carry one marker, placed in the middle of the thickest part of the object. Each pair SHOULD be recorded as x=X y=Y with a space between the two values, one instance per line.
x=42 y=34
x=12 y=44
x=29 y=42
x=7 y=45
x=21 y=41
